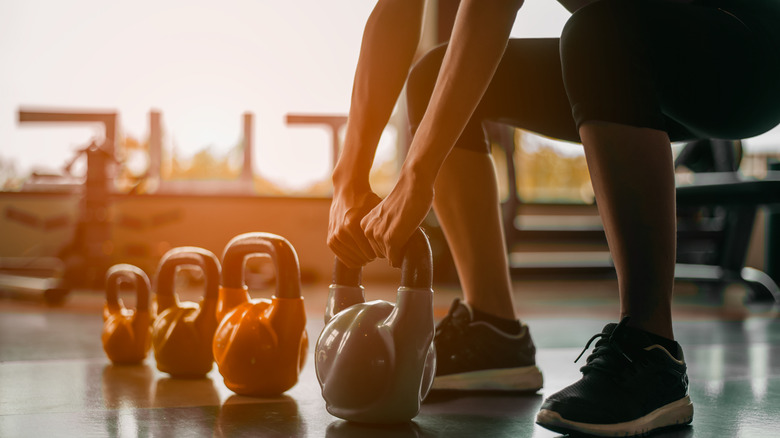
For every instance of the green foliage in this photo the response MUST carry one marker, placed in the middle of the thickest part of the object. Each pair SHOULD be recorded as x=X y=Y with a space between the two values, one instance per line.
x=546 y=174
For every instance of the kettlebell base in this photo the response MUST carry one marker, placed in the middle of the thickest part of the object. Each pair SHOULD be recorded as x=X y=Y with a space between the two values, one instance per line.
x=370 y=416
x=187 y=376
x=127 y=362
x=258 y=392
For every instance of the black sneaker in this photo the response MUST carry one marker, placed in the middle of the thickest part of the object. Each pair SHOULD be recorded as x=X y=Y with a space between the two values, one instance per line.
x=630 y=386
x=474 y=355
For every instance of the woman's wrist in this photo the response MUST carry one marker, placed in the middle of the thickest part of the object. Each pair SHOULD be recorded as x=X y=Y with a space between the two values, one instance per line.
x=420 y=172
x=349 y=180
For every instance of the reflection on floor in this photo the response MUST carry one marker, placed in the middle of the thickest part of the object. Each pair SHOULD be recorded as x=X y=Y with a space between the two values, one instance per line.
x=56 y=381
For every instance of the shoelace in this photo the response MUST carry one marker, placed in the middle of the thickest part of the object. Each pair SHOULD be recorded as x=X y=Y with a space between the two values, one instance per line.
x=448 y=327
x=606 y=346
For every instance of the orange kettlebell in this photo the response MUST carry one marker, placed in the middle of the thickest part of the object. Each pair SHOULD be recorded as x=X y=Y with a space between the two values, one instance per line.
x=183 y=331
x=260 y=346
x=126 y=332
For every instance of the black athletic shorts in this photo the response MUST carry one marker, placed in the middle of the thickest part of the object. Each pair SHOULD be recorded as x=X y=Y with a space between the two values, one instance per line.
x=701 y=69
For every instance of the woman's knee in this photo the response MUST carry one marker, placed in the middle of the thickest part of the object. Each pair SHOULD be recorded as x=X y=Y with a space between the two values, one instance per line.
x=419 y=88
x=420 y=83
x=606 y=73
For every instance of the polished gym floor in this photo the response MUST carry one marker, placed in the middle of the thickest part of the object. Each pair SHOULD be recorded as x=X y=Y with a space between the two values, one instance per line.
x=55 y=380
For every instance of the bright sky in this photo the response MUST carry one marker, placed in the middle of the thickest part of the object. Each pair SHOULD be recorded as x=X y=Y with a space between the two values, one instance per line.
x=202 y=63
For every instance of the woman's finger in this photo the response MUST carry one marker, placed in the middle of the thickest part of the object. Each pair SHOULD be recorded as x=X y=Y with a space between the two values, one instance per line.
x=357 y=237
x=344 y=247
x=369 y=226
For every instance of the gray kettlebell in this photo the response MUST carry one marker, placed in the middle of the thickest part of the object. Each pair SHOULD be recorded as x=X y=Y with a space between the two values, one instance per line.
x=375 y=361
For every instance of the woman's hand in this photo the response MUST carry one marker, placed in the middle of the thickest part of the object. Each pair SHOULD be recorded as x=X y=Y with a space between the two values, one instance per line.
x=345 y=236
x=391 y=223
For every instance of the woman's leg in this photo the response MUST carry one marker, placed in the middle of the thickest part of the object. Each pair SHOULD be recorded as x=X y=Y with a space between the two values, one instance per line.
x=527 y=91
x=652 y=70
x=632 y=173
x=637 y=72
x=481 y=345
x=467 y=207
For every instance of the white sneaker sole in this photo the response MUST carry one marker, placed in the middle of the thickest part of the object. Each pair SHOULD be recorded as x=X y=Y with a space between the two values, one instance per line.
x=677 y=413
x=503 y=379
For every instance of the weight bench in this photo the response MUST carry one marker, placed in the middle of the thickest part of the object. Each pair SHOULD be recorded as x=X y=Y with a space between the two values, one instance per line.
x=738 y=198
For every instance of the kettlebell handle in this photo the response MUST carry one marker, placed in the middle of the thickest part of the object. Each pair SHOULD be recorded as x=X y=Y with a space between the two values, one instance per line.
x=121 y=273
x=346 y=276
x=416 y=267
x=188 y=255
x=288 y=271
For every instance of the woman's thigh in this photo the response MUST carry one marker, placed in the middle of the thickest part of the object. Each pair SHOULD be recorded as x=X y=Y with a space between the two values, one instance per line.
x=690 y=69
x=526 y=91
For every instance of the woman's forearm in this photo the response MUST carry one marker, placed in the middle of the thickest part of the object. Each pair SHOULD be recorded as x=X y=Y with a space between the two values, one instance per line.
x=390 y=41
x=479 y=38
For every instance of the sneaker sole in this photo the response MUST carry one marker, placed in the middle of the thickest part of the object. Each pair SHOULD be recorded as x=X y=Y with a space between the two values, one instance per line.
x=503 y=379
x=678 y=413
